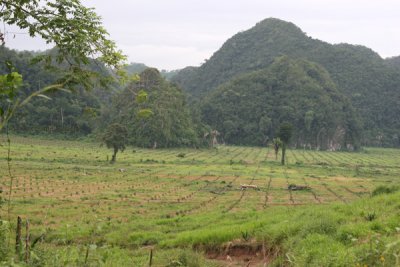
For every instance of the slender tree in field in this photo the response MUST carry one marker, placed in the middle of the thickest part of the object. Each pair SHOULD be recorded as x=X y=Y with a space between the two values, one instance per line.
x=78 y=37
x=285 y=134
x=277 y=145
x=116 y=137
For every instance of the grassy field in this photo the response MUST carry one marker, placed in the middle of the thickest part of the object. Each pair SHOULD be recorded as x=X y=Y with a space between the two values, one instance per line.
x=187 y=205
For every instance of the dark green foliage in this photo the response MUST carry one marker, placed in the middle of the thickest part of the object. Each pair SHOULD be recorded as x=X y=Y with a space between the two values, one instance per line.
x=61 y=112
x=250 y=109
x=188 y=259
x=385 y=189
x=10 y=83
x=64 y=113
x=4 y=236
x=285 y=134
x=66 y=24
x=137 y=68
x=116 y=137
x=371 y=83
x=393 y=62
x=370 y=216
x=162 y=120
x=181 y=155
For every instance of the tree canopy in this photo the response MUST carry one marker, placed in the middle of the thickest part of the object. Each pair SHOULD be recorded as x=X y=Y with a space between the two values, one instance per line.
x=285 y=134
x=250 y=108
x=162 y=119
x=115 y=137
x=78 y=37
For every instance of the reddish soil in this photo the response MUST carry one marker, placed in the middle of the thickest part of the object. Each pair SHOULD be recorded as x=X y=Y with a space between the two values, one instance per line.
x=239 y=253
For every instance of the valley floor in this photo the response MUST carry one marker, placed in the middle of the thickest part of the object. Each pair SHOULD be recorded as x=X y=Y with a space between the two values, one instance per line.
x=188 y=206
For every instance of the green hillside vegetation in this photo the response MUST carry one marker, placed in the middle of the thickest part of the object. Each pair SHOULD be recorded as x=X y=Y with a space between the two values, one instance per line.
x=283 y=185
x=361 y=74
x=393 y=62
x=67 y=113
x=370 y=83
x=155 y=113
x=137 y=68
x=81 y=112
x=249 y=109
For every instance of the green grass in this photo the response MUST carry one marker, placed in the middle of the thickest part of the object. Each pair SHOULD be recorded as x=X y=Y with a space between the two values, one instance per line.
x=186 y=203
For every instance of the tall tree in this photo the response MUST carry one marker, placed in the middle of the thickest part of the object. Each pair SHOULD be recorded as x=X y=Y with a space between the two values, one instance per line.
x=116 y=137
x=285 y=134
x=155 y=112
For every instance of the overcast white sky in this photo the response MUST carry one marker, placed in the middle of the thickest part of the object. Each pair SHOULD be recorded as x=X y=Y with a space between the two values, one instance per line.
x=172 y=34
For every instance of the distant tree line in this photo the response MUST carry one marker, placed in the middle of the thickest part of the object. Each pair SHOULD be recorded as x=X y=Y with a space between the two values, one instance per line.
x=334 y=96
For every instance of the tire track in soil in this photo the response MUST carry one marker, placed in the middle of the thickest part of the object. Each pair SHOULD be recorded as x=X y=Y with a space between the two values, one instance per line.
x=267 y=192
x=208 y=201
x=333 y=192
x=287 y=182
x=312 y=191
x=234 y=204
x=358 y=194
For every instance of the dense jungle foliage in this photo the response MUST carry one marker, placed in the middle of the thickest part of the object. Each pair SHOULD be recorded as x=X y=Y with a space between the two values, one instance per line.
x=155 y=113
x=368 y=84
x=70 y=113
x=168 y=121
x=371 y=83
x=137 y=68
x=249 y=109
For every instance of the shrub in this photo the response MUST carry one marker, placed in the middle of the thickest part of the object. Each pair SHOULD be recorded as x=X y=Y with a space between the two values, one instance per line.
x=385 y=189
x=4 y=251
x=187 y=258
x=321 y=250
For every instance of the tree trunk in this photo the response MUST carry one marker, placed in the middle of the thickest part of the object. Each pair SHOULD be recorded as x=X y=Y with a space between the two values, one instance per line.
x=283 y=154
x=62 y=117
x=27 y=243
x=18 y=239
x=114 y=156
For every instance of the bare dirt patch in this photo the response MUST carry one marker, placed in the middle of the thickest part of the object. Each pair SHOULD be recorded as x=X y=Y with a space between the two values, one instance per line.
x=240 y=253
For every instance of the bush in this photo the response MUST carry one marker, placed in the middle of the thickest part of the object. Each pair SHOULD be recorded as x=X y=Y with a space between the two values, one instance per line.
x=385 y=189
x=4 y=251
x=322 y=250
x=188 y=259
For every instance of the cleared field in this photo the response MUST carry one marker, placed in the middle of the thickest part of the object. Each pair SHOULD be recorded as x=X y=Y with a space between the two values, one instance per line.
x=156 y=198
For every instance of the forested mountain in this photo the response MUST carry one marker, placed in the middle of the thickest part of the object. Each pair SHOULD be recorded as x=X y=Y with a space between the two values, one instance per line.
x=250 y=108
x=371 y=84
x=136 y=68
x=155 y=113
x=357 y=76
x=393 y=62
